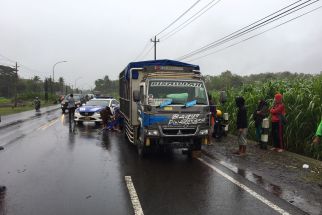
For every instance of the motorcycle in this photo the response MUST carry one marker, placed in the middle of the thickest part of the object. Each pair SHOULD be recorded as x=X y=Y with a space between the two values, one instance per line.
x=219 y=126
x=37 y=106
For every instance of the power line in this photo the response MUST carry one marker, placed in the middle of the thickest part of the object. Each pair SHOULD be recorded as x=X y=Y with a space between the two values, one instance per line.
x=194 y=4
x=148 y=52
x=273 y=19
x=35 y=72
x=143 y=50
x=192 y=18
x=242 y=31
x=8 y=58
x=246 y=39
x=255 y=25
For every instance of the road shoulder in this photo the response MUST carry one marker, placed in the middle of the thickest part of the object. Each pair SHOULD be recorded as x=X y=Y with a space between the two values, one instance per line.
x=279 y=173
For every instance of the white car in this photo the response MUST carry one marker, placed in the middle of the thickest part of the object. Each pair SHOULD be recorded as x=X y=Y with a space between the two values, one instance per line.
x=90 y=112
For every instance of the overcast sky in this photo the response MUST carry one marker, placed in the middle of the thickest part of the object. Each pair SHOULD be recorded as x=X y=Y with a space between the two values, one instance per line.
x=100 y=37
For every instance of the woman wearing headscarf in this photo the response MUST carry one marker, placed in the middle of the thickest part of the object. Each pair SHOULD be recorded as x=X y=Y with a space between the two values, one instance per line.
x=277 y=115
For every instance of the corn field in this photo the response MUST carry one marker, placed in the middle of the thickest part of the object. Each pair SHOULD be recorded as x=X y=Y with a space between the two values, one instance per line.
x=303 y=102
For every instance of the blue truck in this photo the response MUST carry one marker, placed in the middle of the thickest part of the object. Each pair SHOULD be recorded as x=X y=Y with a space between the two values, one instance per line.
x=165 y=105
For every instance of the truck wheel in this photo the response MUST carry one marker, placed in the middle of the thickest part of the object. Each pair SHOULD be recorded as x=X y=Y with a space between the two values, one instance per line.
x=195 y=148
x=197 y=144
x=141 y=150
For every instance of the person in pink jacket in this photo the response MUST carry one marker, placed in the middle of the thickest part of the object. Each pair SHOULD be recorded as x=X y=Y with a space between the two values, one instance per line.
x=277 y=114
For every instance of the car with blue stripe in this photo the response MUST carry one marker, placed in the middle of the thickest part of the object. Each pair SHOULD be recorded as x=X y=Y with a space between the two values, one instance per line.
x=90 y=112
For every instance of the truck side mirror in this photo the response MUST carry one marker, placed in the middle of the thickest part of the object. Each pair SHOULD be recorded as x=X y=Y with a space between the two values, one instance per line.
x=223 y=97
x=136 y=95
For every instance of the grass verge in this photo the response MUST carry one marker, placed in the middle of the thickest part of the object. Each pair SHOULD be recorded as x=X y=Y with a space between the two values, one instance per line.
x=9 y=110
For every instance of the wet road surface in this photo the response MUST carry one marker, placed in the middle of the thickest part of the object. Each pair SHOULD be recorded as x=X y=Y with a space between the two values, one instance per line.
x=48 y=170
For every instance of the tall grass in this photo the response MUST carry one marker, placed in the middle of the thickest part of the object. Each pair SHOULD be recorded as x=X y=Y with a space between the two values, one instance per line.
x=303 y=102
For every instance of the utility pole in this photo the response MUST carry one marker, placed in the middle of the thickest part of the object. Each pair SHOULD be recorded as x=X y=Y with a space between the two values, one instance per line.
x=51 y=85
x=155 y=41
x=46 y=89
x=16 y=83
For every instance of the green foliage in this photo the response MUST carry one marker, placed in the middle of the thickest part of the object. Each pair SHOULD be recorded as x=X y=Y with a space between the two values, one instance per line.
x=4 y=100
x=107 y=87
x=302 y=97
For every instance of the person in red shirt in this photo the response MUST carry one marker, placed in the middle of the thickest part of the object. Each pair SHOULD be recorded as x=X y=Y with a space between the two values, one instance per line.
x=277 y=112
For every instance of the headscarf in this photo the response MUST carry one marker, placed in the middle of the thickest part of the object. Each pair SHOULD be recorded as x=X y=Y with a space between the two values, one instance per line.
x=240 y=101
x=278 y=97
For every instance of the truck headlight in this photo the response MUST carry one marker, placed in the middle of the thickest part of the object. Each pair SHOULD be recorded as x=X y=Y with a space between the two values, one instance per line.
x=152 y=133
x=203 y=132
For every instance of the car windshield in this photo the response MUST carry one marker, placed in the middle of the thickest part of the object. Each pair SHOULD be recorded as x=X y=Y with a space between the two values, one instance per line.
x=102 y=103
x=178 y=92
x=77 y=97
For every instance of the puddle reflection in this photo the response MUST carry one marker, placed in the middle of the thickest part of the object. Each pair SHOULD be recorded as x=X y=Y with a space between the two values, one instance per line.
x=2 y=200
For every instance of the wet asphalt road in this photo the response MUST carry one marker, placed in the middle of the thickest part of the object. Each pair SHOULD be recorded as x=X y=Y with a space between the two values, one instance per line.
x=48 y=170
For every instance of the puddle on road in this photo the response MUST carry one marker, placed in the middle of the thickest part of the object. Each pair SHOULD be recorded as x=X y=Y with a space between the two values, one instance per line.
x=290 y=196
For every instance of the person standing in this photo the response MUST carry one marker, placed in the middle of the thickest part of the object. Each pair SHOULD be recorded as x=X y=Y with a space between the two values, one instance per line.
x=36 y=103
x=277 y=113
x=260 y=113
x=318 y=134
x=71 y=107
x=241 y=125
x=212 y=109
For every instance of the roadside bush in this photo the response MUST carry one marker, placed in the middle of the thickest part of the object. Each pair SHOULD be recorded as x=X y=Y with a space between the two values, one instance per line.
x=4 y=100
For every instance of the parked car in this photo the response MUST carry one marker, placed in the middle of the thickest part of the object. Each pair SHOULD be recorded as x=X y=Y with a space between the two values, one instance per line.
x=90 y=112
x=79 y=100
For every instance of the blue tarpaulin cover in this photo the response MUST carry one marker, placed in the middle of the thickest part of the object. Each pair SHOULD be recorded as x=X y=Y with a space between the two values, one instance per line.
x=165 y=62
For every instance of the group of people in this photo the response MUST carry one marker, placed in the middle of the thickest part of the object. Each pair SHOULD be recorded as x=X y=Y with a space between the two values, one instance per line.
x=277 y=112
x=278 y=121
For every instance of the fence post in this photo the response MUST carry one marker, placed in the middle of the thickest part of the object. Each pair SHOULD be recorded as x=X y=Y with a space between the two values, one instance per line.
x=264 y=135
x=226 y=118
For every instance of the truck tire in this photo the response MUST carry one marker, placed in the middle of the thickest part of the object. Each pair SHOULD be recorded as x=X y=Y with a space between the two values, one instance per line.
x=141 y=150
x=196 y=146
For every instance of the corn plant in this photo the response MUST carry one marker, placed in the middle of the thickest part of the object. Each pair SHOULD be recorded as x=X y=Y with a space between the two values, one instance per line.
x=303 y=102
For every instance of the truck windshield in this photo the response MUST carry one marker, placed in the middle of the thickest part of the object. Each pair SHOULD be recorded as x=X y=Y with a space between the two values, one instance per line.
x=179 y=92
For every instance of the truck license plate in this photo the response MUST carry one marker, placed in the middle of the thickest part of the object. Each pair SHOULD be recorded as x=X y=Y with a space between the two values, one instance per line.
x=167 y=108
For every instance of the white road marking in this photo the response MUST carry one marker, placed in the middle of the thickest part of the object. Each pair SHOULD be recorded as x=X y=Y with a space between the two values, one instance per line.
x=134 y=197
x=247 y=189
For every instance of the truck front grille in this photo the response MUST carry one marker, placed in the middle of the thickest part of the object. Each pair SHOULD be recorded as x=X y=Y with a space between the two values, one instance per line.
x=179 y=132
